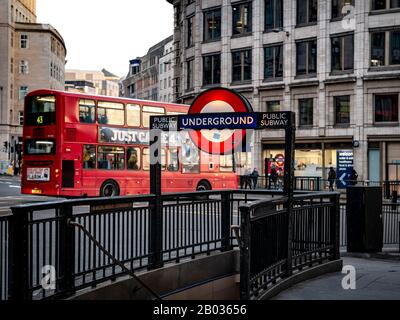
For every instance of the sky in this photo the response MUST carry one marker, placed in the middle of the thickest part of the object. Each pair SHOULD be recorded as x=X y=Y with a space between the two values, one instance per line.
x=107 y=34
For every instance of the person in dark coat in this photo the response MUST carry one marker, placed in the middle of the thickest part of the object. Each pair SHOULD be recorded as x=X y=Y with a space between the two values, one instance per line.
x=353 y=177
x=254 y=177
x=273 y=176
x=331 y=178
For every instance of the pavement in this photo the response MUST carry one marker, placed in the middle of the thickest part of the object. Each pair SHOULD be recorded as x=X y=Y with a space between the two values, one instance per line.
x=376 y=279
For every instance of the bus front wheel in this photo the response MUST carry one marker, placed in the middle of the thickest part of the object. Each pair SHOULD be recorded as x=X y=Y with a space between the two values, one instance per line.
x=109 y=189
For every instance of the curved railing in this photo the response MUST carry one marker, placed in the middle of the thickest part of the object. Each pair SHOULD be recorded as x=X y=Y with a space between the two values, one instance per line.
x=276 y=242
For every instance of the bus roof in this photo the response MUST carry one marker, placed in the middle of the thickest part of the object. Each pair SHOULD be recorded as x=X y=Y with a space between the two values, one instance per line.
x=99 y=97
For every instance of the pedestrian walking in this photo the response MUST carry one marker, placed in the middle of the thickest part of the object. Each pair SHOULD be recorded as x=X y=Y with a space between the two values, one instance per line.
x=353 y=177
x=273 y=176
x=254 y=177
x=331 y=178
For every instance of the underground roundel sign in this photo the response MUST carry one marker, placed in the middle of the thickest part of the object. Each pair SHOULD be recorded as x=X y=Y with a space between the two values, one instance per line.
x=219 y=100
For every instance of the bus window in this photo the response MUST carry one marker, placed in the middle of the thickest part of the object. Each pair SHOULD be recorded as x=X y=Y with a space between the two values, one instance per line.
x=86 y=111
x=111 y=158
x=133 y=115
x=37 y=147
x=41 y=111
x=226 y=163
x=190 y=158
x=89 y=157
x=173 y=160
x=150 y=111
x=146 y=159
x=110 y=113
x=133 y=156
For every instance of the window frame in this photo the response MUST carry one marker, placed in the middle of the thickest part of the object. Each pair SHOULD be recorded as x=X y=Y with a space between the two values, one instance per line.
x=306 y=125
x=308 y=22
x=275 y=15
x=394 y=94
x=240 y=6
x=273 y=47
x=342 y=46
x=336 y=104
x=213 y=81
x=307 y=72
x=205 y=27
x=242 y=65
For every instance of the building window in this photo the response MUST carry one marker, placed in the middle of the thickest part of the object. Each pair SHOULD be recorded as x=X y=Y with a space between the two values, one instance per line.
x=306 y=57
x=394 y=47
x=342 y=109
x=338 y=7
x=212 y=69
x=12 y=65
x=12 y=91
x=342 y=53
x=386 y=108
x=21 y=118
x=306 y=112
x=189 y=74
x=12 y=39
x=212 y=25
x=241 y=16
x=273 y=14
x=23 y=91
x=241 y=66
x=273 y=62
x=190 y=28
x=24 y=41
x=384 y=4
x=307 y=11
x=273 y=106
x=382 y=42
x=24 y=68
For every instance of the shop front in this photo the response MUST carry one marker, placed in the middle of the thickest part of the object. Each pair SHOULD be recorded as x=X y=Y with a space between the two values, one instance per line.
x=312 y=160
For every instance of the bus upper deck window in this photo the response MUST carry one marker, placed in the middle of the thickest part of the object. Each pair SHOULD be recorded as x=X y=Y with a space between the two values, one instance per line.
x=133 y=115
x=86 y=111
x=151 y=111
x=110 y=113
x=41 y=110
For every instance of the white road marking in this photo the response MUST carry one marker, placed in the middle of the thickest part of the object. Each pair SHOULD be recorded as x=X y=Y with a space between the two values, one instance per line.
x=18 y=187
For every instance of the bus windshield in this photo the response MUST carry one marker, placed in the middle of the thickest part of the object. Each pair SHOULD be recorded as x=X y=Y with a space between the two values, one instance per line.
x=41 y=110
x=40 y=146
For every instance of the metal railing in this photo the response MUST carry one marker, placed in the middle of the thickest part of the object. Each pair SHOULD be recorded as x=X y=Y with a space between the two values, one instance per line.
x=274 y=243
x=191 y=224
x=135 y=230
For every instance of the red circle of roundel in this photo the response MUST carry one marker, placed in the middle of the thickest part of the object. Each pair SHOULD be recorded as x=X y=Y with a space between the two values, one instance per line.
x=239 y=104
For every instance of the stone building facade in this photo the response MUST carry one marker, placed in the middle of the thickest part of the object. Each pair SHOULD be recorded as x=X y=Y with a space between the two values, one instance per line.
x=103 y=82
x=143 y=80
x=336 y=63
x=166 y=73
x=32 y=56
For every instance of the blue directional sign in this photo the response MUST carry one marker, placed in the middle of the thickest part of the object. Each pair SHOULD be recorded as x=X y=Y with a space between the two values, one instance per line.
x=247 y=120
x=344 y=168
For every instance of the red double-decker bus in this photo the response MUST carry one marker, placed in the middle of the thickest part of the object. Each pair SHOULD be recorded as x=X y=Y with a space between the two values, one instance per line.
x=83 y=145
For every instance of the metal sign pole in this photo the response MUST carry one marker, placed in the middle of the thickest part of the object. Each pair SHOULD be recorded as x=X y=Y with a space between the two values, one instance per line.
x=156 y=230
x=290 y=137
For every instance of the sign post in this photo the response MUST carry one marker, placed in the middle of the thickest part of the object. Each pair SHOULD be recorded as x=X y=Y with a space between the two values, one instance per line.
x=219 y=109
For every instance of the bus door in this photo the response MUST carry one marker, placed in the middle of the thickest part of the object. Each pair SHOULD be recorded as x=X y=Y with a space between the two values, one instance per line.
x=70 y=168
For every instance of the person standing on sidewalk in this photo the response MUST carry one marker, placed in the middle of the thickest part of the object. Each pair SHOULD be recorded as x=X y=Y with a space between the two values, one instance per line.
x=331 y=178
